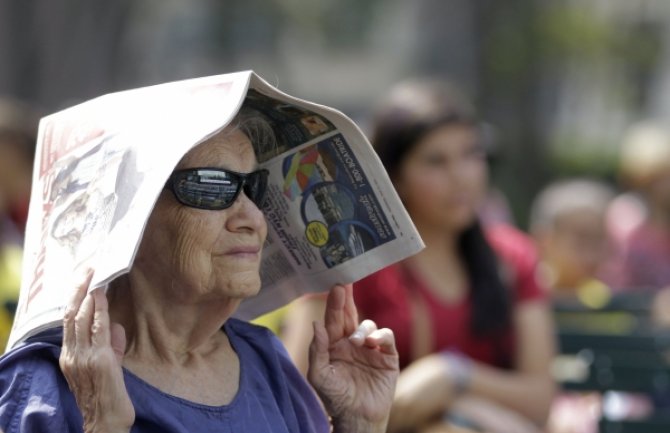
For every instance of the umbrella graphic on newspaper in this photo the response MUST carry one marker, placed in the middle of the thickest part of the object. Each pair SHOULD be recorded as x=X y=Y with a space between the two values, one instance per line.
x=329 y=212
x=303 y=170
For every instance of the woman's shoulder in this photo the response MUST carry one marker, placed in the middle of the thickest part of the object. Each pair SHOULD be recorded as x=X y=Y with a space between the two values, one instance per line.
x=268 y=365
x=33 y=389
x=519 y=259
x=38 y=355
x=241 y=329
x=386 y=279
x=381 y=288
x=514 y=248
x=259 y=349
x=508 y=241
x=256 y=343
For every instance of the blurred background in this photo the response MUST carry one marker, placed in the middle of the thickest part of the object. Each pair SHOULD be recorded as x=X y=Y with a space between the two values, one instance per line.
x=559 y=80
x=558 y=84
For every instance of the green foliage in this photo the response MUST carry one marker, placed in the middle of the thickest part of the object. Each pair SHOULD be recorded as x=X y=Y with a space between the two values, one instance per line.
x=572 y=156
x=508 y=45
x=574 y=32
x=570 y=32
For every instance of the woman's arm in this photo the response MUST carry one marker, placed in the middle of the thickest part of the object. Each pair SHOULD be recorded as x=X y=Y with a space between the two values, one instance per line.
x=435 y=383
x=528 y=389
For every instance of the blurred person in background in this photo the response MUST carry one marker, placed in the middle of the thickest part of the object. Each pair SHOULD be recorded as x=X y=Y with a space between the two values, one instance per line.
x=645 y=166
x=568 y=224
x=18 y=130
x=472 y=324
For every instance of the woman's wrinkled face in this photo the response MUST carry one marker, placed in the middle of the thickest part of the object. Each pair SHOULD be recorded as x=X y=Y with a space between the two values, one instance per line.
x=443 y=179
x=208 y=253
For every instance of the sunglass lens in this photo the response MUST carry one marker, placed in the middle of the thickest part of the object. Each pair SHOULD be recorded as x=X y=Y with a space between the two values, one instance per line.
x=208 y=189
x=255 y=186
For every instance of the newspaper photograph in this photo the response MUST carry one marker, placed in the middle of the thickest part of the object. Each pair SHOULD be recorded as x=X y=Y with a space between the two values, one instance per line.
x=332 y=214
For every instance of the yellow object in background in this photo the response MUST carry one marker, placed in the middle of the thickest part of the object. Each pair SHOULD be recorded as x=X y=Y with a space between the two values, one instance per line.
x=10 y=283
x=594 y=294
x=272 y=320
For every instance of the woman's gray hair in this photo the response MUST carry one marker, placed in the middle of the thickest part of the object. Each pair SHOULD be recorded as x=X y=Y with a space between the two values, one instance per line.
x=259 y=130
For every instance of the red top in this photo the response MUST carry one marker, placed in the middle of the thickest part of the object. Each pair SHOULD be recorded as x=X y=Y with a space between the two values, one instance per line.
x=385 y=298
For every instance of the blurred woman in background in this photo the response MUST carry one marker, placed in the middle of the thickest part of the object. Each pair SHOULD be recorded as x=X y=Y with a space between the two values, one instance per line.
x=472 y=325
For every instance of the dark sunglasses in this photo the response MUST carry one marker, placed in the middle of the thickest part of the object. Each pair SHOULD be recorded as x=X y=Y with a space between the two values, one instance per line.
x=216 y=188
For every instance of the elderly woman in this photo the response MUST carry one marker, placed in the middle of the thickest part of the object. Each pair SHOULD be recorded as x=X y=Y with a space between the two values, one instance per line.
x=160 y=351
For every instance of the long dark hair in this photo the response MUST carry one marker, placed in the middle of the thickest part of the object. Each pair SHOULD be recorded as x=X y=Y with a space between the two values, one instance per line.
x=412 y=110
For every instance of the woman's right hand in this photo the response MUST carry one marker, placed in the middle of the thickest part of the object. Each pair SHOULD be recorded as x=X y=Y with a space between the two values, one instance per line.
x=91 y=360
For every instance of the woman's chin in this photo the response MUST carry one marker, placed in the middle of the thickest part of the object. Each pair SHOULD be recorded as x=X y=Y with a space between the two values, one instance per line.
x=458 y=221
x=243 y=288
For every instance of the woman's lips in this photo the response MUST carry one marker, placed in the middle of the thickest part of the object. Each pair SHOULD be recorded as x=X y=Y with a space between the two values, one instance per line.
x=243 y=251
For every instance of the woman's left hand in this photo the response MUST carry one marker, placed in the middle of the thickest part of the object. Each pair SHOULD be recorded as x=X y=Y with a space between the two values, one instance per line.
x=353 y=368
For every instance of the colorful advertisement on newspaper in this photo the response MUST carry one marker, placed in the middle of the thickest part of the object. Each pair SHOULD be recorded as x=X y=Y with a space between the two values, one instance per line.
x=340 y=215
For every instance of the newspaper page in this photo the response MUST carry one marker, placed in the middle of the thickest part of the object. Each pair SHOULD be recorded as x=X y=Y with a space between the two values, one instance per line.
x=332 y=214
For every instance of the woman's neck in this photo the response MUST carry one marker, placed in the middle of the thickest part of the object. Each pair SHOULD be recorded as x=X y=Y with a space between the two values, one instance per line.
x=441 y=244
x=440 y=264
x=162 y=329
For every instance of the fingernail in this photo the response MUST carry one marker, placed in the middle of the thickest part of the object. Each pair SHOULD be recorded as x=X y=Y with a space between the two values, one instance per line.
x=358 y=335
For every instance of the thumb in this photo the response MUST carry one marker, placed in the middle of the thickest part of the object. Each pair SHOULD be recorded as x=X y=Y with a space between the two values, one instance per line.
x=118 y=340
x=319 y=357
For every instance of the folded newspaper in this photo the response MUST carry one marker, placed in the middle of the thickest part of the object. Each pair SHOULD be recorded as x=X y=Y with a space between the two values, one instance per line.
x=332 y=213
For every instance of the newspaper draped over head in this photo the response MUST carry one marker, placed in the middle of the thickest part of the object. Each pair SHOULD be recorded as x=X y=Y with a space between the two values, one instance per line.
x=332 y=214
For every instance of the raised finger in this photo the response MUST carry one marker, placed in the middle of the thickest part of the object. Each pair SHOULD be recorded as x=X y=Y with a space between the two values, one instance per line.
x=334 y=318
x=318 y=354
x=83 y=322
x=350 y=312
x=100 y=328
x=72 y=308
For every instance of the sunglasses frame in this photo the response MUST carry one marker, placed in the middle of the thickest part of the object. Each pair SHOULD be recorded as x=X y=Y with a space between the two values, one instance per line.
x=242 y=178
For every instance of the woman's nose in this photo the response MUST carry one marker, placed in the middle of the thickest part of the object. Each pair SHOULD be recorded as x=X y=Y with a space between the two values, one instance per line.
x=245 y=214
